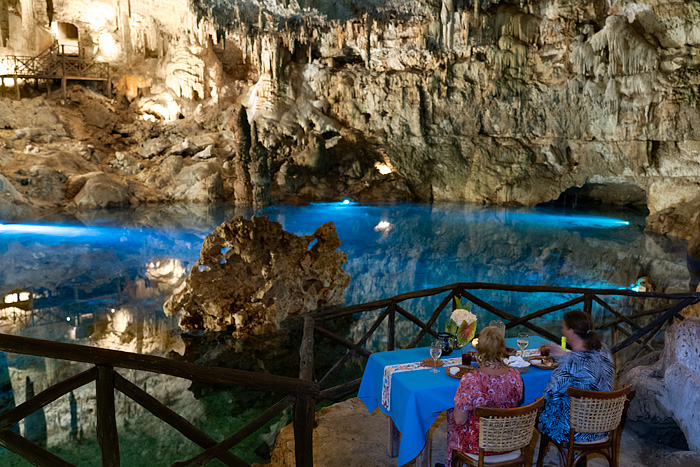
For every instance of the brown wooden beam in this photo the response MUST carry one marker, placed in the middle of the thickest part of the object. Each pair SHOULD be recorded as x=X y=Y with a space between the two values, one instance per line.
x=359 y=345
x=340 y=389
x=304 y=414
x=615 y=313
x=45 y=397
x=507 y=316
x=445 y=301
x=107 y=435
x=173 y=419
x=133 y=361
x=656 y=322
x=391 y=328
x=418 y=323
x=30 y=451
x=328 y=313
x=544 y=311
x=208 y=454
x=343 y=341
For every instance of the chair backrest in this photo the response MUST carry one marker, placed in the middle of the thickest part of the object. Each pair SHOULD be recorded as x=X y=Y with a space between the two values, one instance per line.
x=596 y=411
x=507 y=429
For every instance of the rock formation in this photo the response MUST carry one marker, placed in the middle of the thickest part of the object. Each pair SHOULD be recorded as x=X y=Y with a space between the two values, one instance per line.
x=516 y=102
x=667 y=384
x=252 y=275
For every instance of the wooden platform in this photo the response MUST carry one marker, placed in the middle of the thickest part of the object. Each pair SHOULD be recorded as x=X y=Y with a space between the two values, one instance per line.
x=53 y=64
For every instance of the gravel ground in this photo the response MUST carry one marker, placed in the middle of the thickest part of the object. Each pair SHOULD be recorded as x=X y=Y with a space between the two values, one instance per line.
x=346 y=435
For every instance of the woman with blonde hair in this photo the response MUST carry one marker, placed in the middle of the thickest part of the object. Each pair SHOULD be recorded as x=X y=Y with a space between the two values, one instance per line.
x=493 y=384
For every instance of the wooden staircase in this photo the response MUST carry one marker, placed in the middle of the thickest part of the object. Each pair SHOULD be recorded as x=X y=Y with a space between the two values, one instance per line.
x=54 y=63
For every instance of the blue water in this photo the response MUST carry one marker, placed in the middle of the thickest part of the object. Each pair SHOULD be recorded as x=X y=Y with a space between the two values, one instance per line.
x=92 y=276
x=93 y=264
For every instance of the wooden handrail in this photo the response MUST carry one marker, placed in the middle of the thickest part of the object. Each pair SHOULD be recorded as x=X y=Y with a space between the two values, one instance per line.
x=12 y=416
x=334 y=312
x=303 y=392
x=163 y=412
x=132 y=361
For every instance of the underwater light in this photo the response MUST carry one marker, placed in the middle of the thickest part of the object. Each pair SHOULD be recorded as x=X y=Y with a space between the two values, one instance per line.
x=346 y=201
x=52 y=230
x=383 y=225
x=575 y=221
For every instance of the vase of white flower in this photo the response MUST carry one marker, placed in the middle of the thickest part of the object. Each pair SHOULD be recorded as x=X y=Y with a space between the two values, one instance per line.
x=462 y=324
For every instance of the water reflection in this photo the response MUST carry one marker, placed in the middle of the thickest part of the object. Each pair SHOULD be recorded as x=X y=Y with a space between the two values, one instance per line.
x=104 y=260
x=101 y=278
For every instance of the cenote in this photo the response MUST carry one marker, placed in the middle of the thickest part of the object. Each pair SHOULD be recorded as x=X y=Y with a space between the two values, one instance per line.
x=101 y=279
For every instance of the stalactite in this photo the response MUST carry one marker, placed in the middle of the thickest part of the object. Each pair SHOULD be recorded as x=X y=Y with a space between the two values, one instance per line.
x=447 y=22
x=583 y=56
x=368 y=29
x=523 y=26
x=611 y=98
x=259 y=171
x=4 y=23
x=627 y=50
x=49 y=11
x=243 y=191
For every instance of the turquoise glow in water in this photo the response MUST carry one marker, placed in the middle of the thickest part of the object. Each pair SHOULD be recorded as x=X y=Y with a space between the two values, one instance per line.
x=102 y=280
x=87 y=266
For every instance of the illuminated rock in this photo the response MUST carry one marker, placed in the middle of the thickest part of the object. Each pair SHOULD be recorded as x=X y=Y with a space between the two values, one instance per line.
x=498 y=102
x=667 y=384
x=252 y=275
x=101 y=191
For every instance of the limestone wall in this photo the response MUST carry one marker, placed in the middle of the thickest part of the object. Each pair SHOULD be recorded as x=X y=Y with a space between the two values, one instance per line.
x=510 y=102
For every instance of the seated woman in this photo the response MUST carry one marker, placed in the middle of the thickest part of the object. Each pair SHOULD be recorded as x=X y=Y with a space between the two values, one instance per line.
x=493 y=385
x=587 y=366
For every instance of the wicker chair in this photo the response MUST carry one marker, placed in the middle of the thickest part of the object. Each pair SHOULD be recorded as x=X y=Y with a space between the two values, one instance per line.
x=500 y=430
x=592 y=412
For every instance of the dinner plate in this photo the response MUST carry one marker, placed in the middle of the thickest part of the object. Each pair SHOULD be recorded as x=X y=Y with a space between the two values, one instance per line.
x=463 y=370
x=429 y=362
x=543 y=363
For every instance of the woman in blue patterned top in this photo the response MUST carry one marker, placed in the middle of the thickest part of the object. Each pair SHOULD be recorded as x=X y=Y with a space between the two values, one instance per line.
x=587 y=366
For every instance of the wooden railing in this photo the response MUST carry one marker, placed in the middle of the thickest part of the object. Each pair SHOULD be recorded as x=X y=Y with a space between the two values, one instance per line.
x=391 y=308
x=55 y=62
x=302 y=393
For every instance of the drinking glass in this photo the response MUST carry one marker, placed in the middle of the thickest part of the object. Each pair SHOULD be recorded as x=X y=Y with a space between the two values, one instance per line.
x=435 y=352
x=523 y=340
x=467 y=358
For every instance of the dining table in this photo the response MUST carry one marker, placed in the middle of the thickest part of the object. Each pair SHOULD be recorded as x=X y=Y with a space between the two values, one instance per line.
x=414 y=397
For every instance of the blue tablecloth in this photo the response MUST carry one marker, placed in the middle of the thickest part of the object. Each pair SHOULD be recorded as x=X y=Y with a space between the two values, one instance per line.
x=419 y=396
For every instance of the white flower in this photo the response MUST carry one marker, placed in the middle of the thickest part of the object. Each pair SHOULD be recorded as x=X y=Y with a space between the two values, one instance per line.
x=460 y=314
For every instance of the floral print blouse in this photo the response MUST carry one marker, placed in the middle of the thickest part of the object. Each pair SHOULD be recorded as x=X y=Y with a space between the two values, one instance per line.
x=477 y=389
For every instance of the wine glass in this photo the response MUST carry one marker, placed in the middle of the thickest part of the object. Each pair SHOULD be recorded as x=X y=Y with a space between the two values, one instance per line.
x=523 y=340
x=435 y=352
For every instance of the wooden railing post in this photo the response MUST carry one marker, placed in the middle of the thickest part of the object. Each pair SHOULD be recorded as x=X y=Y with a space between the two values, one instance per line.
x=588 y=303
x=106 y=419
x=391 y=328
x=305 y=406
x=63 y=76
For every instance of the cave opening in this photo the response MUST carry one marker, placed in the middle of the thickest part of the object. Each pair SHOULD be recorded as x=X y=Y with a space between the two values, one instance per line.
x=68 y=37
x=592 y=195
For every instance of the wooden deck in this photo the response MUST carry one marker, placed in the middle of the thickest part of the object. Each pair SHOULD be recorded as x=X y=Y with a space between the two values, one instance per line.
x=623 y=316
x=53 y=64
